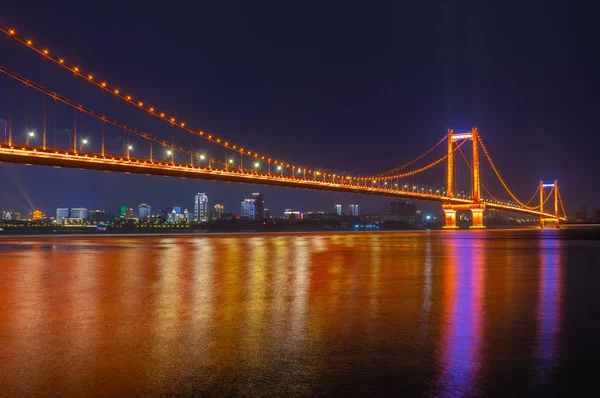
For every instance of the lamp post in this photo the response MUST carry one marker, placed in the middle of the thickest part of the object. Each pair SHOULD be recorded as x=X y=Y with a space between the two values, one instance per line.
x=129 y=149
x=30 y=135
x=83 y=142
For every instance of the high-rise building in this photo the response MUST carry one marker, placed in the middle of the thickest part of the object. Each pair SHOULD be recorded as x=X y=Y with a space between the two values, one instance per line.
x=123 y=212
x=267 y=212
x=219 y=210
x=129 y=213
x=201 y=207
x=61 y=214
x=177 y=209
x=248 y=209
x=143 y=211
x=97 y=216
x=187 y=216
x=354 y=210
x=259 y=206
x=338 y=209
x=79 y=212
x=403 y=211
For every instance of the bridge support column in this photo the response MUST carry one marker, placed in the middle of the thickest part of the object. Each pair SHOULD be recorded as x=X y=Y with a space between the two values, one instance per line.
x=450 y=216
x=477 y=214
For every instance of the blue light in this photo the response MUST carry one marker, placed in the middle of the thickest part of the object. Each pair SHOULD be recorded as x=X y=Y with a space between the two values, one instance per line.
x=547 y=185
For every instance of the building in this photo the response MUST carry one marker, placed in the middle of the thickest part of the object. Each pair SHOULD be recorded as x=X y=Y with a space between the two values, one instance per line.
x=248 y=209
x=97 y=216
x=201 y=207
x=79 y=212
x=338 y=209
x=7 y=215
x=37 y=215
x=219 y=210
x=259 y=206
x=129 y=213
x=143 y=211
x=354 y=210
x=61 y=214
x=292 y=214
x=403 y=211
x=187 y=216
x=123 y=212
x=267 y=213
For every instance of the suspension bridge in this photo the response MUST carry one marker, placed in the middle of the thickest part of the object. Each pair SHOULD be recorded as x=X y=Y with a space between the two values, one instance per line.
x=219 y=159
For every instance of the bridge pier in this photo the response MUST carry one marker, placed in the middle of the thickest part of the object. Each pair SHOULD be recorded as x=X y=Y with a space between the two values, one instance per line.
x=450 y=216
x=476 y=212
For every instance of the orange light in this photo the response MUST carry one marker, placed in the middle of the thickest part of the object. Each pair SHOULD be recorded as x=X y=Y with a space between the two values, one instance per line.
x=45 y=51
x=140 y=103
x=29 y=42
x=61 y=60
x=76 y=69
x=90 y=77
x=103 y=84
x=151 y=109
x=182 y=124
x=116 y=91
x=172 y=119
x=12 y=32
x=162 y=115
x=128 y=97
x=209 y=137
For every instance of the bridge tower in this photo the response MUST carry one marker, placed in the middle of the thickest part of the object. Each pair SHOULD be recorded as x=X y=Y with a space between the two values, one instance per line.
x=476 y=207
x=554 y=186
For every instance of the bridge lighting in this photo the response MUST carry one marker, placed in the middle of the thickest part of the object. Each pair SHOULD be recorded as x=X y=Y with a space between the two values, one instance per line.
x=256 y=164
x=202 y=157
x=405 y=186
x=230 y=161
x=31 y=134
x=279 y=168
x=130 y=147
x=169 y=152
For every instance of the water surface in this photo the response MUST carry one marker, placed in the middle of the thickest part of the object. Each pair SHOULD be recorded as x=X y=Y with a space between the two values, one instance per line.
x=433 y=313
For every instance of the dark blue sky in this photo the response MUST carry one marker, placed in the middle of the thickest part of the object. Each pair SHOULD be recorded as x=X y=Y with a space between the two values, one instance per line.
x=348 y=86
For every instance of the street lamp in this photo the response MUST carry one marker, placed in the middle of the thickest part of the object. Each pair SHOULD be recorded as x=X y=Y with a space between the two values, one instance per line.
x=256 y=166
x=30 y=135
x=83 y=142
x=129 y=149
x=281 y=170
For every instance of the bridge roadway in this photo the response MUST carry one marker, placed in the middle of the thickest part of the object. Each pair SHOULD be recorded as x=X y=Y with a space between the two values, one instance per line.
x=108 y=163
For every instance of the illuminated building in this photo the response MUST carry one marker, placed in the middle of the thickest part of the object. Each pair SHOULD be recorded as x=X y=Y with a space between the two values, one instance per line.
x=37 y=215
x=338 y=209
x=79 y=212
x=267 y=212
x=354 y=210
x=201 y=207
x=61 y=214
x=143 y=211
x=123 y=212
x=97 y=216
x=259 y=206
x=292 y=214
x=219 y=210
x=129 y=213
x=187 y=216
x=248 y=209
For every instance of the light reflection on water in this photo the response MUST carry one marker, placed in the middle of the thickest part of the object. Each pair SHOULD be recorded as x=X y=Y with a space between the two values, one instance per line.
x=299 y=314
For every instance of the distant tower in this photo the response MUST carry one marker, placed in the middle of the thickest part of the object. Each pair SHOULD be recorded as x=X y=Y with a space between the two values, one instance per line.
x=354 y=210
x=248 y=210
x=201 y=207
x=144 y=211
x=219 y=209
x=259 y=206
x=338 y=209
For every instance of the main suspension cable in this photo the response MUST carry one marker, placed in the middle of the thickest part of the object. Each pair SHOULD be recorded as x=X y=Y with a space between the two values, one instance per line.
x=487 y=155
x=412 y=161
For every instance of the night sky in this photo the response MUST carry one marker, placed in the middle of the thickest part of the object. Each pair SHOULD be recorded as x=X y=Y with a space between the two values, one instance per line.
x=359 y=87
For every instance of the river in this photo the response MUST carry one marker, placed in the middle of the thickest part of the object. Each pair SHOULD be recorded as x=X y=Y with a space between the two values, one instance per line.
x=407 y=313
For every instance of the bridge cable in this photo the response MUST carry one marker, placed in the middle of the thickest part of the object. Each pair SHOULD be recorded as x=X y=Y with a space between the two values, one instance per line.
x=412 y=161
x=487 y=155
x=471 y=168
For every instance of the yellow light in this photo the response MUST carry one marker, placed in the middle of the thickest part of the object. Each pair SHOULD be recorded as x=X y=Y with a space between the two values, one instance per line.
x=45 y=51
x=202 y=157
x=230 y=160
x=12 y=32
x=61 y=60
x=128 y=97
x=169 y=152
x=140 y=103
x=182 y=124
x=278 y=167
x=29 y=42
x=172 y=119
x=162 y=115
x=76 y=69
x=116 y=91
x=151 y=109
x=103 y=84
x=256 y=164
x=130 y=147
